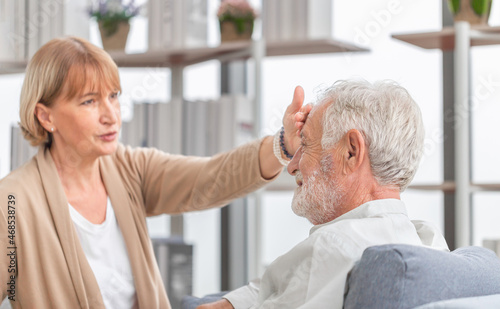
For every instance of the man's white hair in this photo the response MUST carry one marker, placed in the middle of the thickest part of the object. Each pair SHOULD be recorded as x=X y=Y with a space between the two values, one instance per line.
x=387 y=117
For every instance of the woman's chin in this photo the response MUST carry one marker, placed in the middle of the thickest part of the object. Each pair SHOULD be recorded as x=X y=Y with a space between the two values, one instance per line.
x=109 y=148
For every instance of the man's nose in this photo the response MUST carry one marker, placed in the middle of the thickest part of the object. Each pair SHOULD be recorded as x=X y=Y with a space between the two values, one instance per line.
x=293 y=166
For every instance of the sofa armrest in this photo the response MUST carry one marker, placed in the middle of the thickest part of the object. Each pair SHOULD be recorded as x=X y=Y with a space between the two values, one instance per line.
x=405 y=276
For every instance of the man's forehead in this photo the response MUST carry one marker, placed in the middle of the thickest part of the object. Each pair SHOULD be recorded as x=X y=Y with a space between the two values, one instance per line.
x=318 y=109
x=313 y=120
x=313 y=110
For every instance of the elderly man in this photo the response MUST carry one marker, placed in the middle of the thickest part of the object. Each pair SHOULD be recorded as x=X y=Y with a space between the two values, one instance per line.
x=361 y=146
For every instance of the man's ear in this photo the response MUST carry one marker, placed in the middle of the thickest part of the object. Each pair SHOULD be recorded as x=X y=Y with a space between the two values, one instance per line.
x=43 y=114
x=355 y=150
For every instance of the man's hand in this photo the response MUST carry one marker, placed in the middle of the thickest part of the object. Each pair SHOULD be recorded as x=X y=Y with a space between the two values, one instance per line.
x=220 y=304
x=294 y=119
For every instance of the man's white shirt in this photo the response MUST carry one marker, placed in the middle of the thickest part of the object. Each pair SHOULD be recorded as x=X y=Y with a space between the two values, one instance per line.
x=313 y=273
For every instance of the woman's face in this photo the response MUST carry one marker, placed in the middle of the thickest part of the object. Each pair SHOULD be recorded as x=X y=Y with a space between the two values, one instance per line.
x=89 y=124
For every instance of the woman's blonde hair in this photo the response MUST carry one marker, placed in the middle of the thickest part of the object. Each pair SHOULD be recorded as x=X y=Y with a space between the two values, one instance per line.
x=62 y=68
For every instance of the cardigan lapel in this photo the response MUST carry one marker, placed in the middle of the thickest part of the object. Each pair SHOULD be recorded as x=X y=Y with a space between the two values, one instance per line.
x=83 y=278
x=136 y=243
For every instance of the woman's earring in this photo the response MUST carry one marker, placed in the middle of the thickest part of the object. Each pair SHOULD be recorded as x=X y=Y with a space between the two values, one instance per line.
x=52 y=129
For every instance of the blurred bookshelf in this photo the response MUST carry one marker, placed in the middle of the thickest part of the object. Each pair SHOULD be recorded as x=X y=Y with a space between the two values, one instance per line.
x=460 y=38
x=225 y=52
x=445 y=38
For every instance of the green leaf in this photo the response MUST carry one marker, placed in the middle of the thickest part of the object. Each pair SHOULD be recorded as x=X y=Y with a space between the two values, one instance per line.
x=480 y=7
x=242 y=23
x=454 y=6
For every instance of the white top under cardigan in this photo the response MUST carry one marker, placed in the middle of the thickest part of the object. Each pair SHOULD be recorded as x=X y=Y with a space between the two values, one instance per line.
x=107 y=255
x=313 y=273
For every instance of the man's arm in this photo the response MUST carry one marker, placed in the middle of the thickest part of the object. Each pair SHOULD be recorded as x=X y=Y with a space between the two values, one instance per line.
x=241 y=298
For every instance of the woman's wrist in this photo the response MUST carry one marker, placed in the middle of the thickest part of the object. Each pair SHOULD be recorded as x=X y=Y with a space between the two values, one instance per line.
x=283 y=146
x=279 y=148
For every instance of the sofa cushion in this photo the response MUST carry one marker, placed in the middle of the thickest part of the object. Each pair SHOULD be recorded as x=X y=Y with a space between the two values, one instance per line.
x=405 y=276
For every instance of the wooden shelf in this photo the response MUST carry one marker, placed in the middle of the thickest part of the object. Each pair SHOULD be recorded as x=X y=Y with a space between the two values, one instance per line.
x=445 y=187
x=475 y=187
x=185 y=57
x=224 y=52
x=445 y=39
x=230 y=52
x=449 y=187
x=310 y=47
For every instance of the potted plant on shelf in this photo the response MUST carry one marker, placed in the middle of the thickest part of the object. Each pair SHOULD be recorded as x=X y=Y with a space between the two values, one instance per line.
x=236 y=18
x=113 y=17
x=476 y=12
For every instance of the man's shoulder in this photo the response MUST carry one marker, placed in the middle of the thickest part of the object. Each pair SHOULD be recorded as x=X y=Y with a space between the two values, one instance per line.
x=337 y=238
x=430 y=234
x=358 y=232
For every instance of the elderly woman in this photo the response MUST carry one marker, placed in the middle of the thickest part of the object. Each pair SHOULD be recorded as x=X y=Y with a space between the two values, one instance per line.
x=73 y=231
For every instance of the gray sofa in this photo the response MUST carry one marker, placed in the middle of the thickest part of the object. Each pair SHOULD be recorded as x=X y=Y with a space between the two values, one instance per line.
x=404 y=276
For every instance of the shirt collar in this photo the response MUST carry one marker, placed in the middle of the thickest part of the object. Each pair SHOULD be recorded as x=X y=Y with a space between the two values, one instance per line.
x=369 y=209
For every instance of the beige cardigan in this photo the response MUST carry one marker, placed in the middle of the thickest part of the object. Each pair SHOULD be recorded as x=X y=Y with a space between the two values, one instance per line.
x=52 y=270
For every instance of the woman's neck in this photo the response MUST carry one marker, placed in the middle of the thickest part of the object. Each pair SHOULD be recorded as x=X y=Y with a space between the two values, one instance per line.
x=78 y=173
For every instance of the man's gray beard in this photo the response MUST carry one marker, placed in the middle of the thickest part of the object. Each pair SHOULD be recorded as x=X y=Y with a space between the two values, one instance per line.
x=319 y=198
